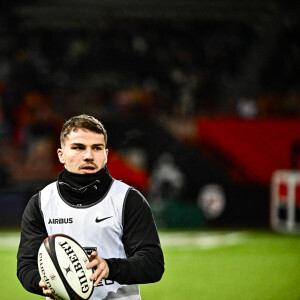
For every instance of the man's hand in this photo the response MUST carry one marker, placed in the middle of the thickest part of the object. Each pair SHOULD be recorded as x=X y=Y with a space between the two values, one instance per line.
x=101 y=268
x=47 y=292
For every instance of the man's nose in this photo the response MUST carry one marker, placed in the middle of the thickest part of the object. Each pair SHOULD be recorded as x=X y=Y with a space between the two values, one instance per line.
x=88 y=155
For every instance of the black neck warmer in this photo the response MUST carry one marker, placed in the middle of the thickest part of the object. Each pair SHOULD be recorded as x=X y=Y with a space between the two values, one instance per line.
x=84 y=189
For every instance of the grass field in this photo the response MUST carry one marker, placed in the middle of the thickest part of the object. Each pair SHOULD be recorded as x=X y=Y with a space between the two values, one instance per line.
x=201 y=265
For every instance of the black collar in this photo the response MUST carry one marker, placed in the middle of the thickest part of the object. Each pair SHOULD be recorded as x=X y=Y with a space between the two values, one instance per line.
x=84 y=188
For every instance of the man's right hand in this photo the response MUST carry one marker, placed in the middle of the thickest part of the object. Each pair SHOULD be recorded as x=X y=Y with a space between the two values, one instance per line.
x=47 y=292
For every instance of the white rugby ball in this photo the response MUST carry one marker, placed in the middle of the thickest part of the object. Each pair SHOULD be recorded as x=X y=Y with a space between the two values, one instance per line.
x=62 y=266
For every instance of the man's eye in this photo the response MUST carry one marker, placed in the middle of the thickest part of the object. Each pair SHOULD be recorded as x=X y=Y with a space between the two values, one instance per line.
x=98 y=148
x=77 y=148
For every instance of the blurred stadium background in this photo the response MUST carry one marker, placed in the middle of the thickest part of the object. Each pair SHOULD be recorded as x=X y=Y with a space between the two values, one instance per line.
x=201 y=101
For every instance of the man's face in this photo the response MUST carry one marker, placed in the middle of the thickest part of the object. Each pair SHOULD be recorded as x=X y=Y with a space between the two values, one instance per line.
x=84 y=152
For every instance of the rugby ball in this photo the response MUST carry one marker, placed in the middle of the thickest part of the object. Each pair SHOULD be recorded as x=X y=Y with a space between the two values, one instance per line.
x=62 y=266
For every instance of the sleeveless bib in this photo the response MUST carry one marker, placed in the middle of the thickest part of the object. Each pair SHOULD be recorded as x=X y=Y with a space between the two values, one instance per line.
x=95 y=227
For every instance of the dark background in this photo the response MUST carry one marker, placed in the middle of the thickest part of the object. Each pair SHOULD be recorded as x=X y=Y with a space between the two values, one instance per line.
x=212 y=86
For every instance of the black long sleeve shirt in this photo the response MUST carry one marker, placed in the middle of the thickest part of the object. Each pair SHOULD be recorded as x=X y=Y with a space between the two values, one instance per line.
x=144 y=262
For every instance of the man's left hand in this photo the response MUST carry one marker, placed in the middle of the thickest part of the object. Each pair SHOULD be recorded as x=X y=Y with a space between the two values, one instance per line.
x=100 y=266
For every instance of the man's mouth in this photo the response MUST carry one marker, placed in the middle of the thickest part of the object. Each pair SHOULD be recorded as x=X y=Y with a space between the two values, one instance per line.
x=88 y=168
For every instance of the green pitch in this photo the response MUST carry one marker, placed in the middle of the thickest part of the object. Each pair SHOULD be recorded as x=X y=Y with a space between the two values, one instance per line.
x=202 y=265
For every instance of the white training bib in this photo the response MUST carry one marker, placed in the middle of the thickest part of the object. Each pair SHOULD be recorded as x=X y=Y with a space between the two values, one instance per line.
x=95 y=227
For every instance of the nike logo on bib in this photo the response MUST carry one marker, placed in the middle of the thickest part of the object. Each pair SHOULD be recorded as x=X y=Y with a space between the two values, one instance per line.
x=100 y=220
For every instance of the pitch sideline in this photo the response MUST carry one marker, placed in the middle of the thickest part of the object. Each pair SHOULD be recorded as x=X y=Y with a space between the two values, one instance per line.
x=203 y=240
x=9 y=240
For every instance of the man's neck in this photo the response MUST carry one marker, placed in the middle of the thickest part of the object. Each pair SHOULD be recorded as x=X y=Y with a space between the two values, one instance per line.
x=84 y=188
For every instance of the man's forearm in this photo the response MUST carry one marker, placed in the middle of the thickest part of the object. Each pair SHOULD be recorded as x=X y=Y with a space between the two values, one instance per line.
x=146 y=266
x=33 y=232
x=29 y=277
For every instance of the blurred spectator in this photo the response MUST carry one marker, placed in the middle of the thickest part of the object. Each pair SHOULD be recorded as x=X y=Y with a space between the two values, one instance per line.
x=167 y=179
x=134 y=100
x=36 y=131
x=247 y=108
x=35 y=118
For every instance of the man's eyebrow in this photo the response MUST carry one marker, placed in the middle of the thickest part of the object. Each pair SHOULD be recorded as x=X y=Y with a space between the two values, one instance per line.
x=80 y=144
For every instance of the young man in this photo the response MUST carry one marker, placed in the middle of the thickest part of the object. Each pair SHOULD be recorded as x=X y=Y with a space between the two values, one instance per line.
x=112 y=220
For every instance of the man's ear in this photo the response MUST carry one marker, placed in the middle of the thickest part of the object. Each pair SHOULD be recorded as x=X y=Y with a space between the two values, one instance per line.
x=106 y=150
x=60 y=154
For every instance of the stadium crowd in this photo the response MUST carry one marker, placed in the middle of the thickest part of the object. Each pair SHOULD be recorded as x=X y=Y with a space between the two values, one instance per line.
x=157 y=69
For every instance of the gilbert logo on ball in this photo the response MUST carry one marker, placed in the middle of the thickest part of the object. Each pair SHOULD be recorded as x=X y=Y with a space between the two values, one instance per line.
x=62 y=266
